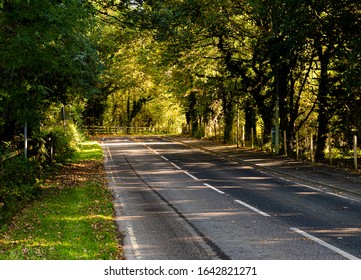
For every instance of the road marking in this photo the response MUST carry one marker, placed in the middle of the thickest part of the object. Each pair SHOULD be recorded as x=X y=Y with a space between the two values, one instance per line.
x=190 y=175
x=133 y=242
x=339 y=195
x=164 y=158
x=252 y=208
x=154 y=151
x=109 y=158
x=109 y=154
x=185 y=172
x=193 y=177
x=132 y=238
x=213 y=188
x=176 y=166
x=325 y=244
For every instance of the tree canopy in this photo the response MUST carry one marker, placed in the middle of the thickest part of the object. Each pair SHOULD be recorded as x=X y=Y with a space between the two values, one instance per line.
x=47 y=57
x=131 y=63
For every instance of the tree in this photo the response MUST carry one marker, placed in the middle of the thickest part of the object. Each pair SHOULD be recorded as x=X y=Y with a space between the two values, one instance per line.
x=331 y=36
x=46 y=57
x=204 y=33
x=249 y=54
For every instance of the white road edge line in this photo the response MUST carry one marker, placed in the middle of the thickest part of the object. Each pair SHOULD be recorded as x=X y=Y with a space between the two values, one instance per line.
x=109 y=154
x=190 y=175
x=252 y=208
x=133 y=240
x=325 y=244
x=213 y=188
x=109 y=158
x=339 y=195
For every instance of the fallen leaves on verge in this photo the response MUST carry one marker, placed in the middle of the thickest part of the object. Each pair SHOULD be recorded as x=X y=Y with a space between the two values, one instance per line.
x=31 y=241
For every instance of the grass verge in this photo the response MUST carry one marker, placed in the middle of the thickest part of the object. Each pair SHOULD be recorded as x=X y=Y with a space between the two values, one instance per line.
x=72 y=220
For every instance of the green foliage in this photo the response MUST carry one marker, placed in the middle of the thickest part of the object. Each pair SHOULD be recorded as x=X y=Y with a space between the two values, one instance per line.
x=64 y=146
x=48 y=60
x=55 y=145
x=303 y=53
x=88 y=151
x=147 y=63
x=18 y=179
x=135 y=85
x=47 y=57
x=71 y=220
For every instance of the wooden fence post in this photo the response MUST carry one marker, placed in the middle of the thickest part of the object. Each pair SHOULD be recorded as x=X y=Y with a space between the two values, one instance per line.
x=285 y=142
x=26 y=140
x=297 y=147
x=237 y=127
x=242 y=136
x=329 y=141
x=355 y=150
x=252 y=138
x=311 y=148
x=215 y=130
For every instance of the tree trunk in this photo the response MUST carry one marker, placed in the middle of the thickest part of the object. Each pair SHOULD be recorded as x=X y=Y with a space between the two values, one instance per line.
x=192 y=114
x=250 y=118
x=282 y=90
x=266 y=113
x=228 y=111
x=323 y=115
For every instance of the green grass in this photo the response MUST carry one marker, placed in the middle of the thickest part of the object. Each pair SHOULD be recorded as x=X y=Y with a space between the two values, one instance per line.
x=72 y=220
x=88 y=151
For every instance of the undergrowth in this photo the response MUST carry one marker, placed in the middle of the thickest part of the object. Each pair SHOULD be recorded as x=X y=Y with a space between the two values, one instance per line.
x=73 y=218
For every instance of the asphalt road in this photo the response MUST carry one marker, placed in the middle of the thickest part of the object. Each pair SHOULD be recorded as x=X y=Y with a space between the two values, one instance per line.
x=173 y=202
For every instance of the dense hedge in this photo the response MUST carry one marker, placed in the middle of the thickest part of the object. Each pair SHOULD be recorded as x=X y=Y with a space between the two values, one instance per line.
x=19 y=185
x=20 y=178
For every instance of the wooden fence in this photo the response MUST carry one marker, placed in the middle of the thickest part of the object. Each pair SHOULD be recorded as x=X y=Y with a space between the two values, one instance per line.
x=303 y=147
x=117 y=130
x=10 y=155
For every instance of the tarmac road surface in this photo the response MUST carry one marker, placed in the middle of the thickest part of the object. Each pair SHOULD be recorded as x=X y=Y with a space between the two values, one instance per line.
x=174 y=202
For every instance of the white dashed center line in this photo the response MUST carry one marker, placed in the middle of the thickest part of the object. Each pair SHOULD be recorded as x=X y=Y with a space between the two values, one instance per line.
x=325 y=244
x=190 y=175
x=213 y=188
x=252 y=208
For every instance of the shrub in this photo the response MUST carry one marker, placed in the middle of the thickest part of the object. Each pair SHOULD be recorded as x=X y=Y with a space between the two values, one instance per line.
x=64 y=146
x=19 y=176
x=18 y=185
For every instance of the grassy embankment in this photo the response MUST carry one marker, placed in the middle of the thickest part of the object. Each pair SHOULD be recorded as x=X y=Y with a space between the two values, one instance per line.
x=72 y=220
